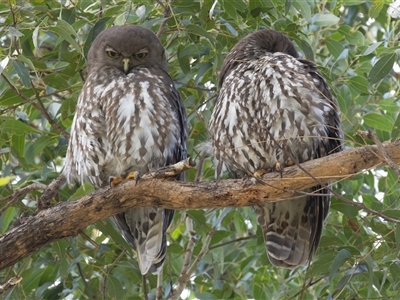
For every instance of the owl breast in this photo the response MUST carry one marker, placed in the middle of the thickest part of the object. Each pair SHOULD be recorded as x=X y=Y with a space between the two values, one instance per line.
x=138 y=131
x=273 y=114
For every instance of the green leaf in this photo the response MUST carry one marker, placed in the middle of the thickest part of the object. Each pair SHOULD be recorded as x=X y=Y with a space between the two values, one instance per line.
x=197 y=216
x=107 y=228
x=219 y=236
x=375 y=8
x=8 y=217
x=114 y=288
x=351 y=35
x=259 y=291
x=205 y=296
x=326 y=20
x=397 y=234
x=57 y=81
x=378 y=122
x=67 y=33
x=382 y=68
x=83 y=190
x=334 y=47
x=347 y=209
x=304 y=9
x=200 y=32
x=323 y=263
x=230 y=9
x=11 y=126
x=304 y=46
x=342 y=256
x=31 y=279
x=360 y=83
x=396 y=128
x=371 y=48
x=22 y=72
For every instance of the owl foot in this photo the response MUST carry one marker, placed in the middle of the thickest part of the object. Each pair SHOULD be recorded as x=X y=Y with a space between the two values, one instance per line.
x=278 y=167
x=131 y=176
x=260 y=173
x=115 y=181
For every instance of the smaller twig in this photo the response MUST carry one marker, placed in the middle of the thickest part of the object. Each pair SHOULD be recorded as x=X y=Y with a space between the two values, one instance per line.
x=249 y=237
x=144 y=285
x=9 y=284
x=372 y=136
x=50 y=191
x=107 y=271
x=171 y=170
x=365 y=208
x=197 y=88
x=167 y=13
x=159 y=290
x=190 y=246
x=310 y=283
x=20 y=192
x=85 y=282
x=184 y=278
x=87 y=238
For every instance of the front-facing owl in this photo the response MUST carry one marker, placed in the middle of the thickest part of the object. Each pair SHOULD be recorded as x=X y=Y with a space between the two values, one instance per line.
x=274 y=110
x=129 y=118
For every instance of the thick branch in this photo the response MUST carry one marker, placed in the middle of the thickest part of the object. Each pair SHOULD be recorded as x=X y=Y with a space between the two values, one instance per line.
x=70 y=218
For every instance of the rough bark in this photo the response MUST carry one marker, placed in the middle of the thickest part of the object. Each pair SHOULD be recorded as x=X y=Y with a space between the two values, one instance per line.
x=70 y=218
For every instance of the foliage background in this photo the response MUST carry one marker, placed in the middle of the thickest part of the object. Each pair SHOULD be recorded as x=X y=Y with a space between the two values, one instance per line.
x=43 y=47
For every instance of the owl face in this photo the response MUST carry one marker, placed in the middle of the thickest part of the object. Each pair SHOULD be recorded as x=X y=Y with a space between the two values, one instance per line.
x=127 y=60
x=125 y=48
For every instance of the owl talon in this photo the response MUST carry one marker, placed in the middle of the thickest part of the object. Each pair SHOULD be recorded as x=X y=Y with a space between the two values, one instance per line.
x=279 y=168
x=115 y=180
x=259 y=173
x=133 y=176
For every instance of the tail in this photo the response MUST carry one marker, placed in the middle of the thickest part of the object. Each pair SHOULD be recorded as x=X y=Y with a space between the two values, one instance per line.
x=145 y=229
x=292 y=228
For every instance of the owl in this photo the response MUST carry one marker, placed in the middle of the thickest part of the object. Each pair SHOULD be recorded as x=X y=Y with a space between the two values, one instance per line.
x=275 y=110
x=129 y=119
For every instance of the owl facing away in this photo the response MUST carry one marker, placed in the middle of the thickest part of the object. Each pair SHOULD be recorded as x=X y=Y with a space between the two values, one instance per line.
x=275 y=109
x=129 y=118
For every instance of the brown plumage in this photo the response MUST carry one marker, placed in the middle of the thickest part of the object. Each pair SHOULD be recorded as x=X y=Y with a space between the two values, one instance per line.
x=129 y=118
x=274 y=108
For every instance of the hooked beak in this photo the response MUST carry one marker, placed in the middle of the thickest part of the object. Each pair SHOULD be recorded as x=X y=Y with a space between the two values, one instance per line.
x=126 y=61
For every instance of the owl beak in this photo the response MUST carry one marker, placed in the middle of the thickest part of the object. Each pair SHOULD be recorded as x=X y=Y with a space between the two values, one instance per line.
x=126 y=61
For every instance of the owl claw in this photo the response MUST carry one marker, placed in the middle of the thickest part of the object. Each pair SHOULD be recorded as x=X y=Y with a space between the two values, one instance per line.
x=279 y=168
x=133 y=176
x=259 y=173
x=115 y=180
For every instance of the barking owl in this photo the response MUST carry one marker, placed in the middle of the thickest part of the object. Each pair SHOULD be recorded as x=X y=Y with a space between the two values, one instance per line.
x=274 y=110
x=129 y=118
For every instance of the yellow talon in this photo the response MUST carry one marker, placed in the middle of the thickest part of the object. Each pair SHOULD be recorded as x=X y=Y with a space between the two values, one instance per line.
x=133 y=176
x=115 y=181
x=259 y=173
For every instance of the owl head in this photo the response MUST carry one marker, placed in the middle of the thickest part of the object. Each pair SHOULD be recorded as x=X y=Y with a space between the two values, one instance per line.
x=125 y=48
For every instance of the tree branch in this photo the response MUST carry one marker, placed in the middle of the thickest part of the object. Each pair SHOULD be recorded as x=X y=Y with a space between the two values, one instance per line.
x=70 y=218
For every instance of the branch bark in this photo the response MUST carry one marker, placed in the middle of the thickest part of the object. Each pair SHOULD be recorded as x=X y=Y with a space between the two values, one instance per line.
x=70 y=218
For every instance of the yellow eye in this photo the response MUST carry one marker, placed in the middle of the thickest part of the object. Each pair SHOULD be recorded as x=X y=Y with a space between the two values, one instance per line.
x=141 y=55
x=112 y=54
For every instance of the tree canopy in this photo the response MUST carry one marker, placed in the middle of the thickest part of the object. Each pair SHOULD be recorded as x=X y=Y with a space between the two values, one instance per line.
x=212 y=253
